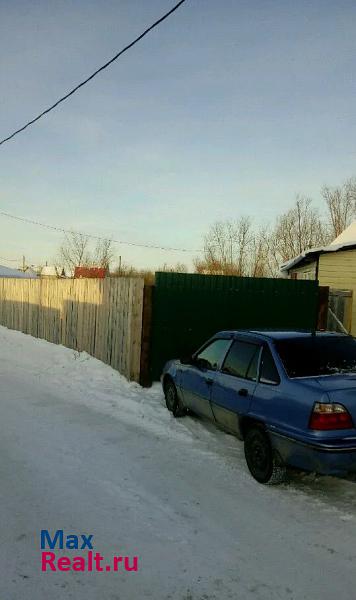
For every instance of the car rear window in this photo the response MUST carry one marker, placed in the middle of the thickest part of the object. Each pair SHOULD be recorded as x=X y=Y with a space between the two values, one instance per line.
x=313 y=356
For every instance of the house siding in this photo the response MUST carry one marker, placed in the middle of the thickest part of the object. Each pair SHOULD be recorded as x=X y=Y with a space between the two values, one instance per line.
x=305 y=272
x=338 y=270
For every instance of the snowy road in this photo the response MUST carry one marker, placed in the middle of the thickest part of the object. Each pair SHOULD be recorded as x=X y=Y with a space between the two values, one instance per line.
x=86 y=452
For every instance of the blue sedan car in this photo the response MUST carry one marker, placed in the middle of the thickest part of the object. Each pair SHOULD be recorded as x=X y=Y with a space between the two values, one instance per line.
x=290 y=396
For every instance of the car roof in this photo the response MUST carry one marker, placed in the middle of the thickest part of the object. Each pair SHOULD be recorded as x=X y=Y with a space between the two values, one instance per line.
x=272 y=334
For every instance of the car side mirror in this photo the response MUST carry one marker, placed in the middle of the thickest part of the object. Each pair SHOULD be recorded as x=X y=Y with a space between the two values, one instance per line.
x=202 y=364
x=187 y=359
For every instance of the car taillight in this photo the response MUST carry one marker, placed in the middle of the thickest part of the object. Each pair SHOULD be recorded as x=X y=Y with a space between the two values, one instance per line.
x=330 y=416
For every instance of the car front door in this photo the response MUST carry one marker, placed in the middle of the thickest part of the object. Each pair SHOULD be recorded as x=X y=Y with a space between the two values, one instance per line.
x=235 y=383
x=197 y=379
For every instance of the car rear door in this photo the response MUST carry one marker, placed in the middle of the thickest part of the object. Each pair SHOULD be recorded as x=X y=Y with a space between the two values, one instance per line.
x=197 y=379
x=235 y=383
x=273 y=403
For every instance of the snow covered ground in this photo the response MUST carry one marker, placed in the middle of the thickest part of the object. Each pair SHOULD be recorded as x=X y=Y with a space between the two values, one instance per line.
x=84 y=451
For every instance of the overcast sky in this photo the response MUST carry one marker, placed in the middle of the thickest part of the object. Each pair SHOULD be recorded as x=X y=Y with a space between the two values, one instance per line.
x=229 y=108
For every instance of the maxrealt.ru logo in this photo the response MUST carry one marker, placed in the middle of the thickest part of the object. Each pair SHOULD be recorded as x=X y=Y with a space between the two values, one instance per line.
x=87 y=561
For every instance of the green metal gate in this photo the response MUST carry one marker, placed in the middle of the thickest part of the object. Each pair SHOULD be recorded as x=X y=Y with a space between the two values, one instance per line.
x=188 y=309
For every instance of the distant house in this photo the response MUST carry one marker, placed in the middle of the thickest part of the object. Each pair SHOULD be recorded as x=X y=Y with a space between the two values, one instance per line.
x=91 y=272
x=15 y=273
x=50 y=272
x=333 y=266
x=30 y=271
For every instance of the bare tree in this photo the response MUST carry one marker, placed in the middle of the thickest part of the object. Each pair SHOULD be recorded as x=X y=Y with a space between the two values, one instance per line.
x=233 y=248
x=299 y=229
x=177 y=268
x=208 y=267
x=130 y=271
x=147 y=274
x=259 y=254
x=104 y=253
x=341 y=205
x=226 y=248
x=74 y=251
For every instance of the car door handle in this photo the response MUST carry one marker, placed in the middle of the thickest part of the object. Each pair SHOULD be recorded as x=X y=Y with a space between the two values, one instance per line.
x=243 y=392
x=209 y=381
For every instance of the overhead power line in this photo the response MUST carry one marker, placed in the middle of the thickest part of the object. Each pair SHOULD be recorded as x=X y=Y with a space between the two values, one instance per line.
x=107 y=64
x=17 y=260
x=94 y=237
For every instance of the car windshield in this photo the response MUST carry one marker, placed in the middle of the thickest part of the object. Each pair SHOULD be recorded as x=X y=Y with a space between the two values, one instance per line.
x=314 y=356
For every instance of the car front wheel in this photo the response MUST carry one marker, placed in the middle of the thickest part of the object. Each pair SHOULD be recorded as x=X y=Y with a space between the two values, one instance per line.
x=172 y=400
x=262 y=460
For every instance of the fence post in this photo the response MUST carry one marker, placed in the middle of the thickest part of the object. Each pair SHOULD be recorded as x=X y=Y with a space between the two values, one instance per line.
x=145 y=374
x=323 y=304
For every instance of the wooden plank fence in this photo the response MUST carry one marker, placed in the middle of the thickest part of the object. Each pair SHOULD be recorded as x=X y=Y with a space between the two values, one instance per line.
x=339 y=315
x=101 y=316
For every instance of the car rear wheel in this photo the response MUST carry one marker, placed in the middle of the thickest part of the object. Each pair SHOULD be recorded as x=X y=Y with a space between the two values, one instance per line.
x=172 y=401
x=262 y=460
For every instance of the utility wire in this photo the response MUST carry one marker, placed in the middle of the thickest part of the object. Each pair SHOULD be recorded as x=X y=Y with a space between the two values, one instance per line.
x=17 y=260
x=47 y=110
x=94 y=237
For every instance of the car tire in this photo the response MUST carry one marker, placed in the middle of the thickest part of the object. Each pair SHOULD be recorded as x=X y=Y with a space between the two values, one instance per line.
x=264 y=463
x=172 y=401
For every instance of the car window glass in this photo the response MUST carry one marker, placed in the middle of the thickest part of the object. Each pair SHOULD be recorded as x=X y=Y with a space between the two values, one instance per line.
x=253 y=368
x=214 y=353
x=242 y=360
x=314 y=355
x=268 y=371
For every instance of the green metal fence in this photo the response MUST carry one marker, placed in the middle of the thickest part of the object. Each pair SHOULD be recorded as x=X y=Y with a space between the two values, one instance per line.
x=188 y=309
